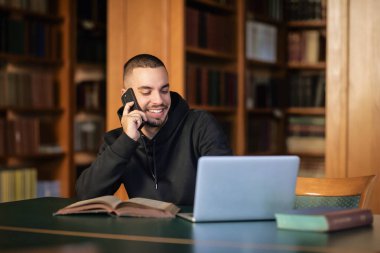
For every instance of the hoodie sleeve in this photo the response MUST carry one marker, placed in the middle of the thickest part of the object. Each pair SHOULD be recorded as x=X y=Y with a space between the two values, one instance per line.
x=103 y=175
x=210 y=137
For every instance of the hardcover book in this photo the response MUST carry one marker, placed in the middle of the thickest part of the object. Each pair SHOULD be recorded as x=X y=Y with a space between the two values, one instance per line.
x=134 y=207
x=324 y=219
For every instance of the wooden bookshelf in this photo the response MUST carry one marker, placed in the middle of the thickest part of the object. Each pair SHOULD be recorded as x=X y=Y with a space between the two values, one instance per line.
x=37 y=113
x=89 y=80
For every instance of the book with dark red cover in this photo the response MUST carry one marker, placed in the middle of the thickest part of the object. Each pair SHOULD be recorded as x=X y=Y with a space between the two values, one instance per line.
x=324 y=219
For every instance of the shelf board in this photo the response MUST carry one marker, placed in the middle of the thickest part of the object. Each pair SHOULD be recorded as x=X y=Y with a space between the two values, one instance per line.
x=304 y=65
x=264 y=19
x=31 y=110
x=210 y=53
x=84 y=157
x=216 y=109
x=306 y=111
x=307 y=24
x=258 y=63
x=212 y=5
x=15 y=58
x=32 y=14
x=38 y=156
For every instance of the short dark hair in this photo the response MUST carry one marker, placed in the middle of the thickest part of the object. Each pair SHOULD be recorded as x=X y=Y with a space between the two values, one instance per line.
x=142 y=61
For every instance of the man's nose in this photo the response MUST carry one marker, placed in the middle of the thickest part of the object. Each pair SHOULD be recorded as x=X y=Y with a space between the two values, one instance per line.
x=156 y=98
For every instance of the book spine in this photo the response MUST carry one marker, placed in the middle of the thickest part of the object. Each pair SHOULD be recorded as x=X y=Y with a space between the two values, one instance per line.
x=349 y=219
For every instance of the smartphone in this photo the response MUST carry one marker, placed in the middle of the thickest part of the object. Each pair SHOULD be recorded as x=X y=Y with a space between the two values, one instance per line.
x=129 y=96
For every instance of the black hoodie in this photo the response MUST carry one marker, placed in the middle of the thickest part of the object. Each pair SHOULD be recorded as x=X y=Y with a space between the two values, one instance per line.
x=162 y=168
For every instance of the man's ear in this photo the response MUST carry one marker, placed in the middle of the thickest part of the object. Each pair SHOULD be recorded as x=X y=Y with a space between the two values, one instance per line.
x=123 y=91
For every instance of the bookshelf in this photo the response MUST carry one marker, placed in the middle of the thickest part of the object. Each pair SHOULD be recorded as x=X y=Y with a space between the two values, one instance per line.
x=89 y=80
x=211 y=61
x=306 y=83
x=35 y=106
x=264 y=74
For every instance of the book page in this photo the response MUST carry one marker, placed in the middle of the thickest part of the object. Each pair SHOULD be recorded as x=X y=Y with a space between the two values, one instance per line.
x=110 y=201
x=150 y=203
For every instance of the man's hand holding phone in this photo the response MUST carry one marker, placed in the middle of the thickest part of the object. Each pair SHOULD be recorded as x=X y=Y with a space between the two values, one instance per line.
x=133 y=118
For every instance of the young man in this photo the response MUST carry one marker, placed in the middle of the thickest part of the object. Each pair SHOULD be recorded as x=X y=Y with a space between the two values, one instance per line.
x=159 y=161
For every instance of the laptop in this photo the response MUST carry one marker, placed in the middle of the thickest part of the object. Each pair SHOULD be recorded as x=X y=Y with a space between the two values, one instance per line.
x=233 y=188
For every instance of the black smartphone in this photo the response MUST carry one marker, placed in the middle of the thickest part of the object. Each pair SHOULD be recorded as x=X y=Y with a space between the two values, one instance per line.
x=129 y=96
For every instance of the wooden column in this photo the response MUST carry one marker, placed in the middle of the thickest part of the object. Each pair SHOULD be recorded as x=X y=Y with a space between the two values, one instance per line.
x=144 y=26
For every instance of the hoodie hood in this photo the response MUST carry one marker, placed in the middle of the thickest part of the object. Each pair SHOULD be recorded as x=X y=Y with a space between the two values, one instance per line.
x=177 y=113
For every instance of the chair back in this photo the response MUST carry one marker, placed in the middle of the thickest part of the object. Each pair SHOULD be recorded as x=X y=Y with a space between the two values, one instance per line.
x=347 y=192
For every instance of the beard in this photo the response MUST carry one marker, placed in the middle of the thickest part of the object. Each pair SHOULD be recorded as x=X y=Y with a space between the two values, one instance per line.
x=156 y=122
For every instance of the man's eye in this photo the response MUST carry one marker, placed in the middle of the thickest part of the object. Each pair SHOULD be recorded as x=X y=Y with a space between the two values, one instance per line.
x=164 y=91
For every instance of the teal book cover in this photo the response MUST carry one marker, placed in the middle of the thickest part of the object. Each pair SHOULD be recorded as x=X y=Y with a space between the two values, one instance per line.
x=324 y=219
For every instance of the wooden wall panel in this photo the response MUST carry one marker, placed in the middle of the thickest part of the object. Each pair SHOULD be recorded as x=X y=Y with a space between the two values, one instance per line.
x=337 y=88
x=364 y=92
x=144 y=26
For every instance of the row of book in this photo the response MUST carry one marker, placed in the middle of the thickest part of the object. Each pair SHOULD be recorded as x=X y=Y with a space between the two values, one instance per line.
x=261 y=41
x=88 y=133
x=22 y=183
x=262 y=135
x=307 y=89
x=34 y=38
x=306 y=135
x=28 y=136
x=91 y=45
x=208 y=86
x=306 y=9
x=272 y=9
x=90 y=95
x=32 y=90
x=308 y=46
x=263 y=90
x=37 y=6
x=209 y=30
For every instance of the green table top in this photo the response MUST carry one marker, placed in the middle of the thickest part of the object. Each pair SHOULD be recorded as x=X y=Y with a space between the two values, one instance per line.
x=29 y=225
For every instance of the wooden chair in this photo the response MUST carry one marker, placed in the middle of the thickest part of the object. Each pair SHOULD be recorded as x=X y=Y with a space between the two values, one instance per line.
x=333 y=192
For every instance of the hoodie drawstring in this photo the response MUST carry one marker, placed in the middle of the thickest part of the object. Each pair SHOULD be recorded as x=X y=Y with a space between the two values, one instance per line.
x=154 y=169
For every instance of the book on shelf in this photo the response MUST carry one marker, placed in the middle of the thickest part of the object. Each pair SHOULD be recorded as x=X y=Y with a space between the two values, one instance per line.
x=262 y=90
x=263 y=137
x=27 y=89
x=306 y=10
x=134 y=207
x=306 y=46
x=210 y=86
x=261 y=41
x=209 y=30
x=17 y=183
x=307 y=89
x=324 y=219
x=306 y=134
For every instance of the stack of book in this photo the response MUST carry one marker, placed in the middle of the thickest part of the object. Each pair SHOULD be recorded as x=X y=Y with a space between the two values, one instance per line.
x=306 y=135
x=307 y=89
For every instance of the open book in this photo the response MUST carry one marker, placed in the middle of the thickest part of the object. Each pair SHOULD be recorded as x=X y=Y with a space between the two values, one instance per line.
x=135 y=207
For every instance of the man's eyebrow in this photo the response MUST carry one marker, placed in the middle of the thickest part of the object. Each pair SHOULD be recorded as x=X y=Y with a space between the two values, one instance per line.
x=150 y=88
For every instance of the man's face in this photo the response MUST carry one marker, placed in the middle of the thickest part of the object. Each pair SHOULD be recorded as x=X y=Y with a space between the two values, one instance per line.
x=151 y=88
